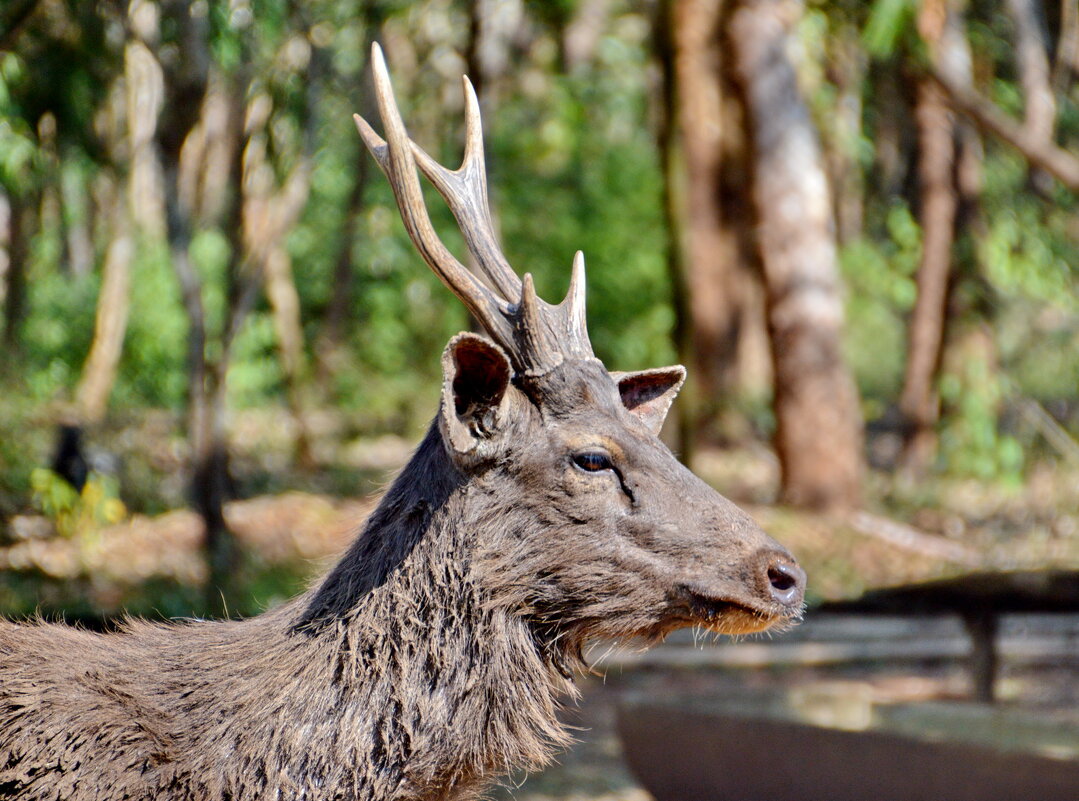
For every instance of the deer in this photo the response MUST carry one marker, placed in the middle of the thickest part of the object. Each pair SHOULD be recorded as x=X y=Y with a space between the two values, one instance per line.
x=541 y=512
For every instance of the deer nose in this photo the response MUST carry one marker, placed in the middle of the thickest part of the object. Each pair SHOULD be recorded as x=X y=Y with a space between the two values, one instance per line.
x=786 y=580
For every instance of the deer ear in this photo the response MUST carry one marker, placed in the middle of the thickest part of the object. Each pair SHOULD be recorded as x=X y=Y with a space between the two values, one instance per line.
x=476 y=374
x=650 y=393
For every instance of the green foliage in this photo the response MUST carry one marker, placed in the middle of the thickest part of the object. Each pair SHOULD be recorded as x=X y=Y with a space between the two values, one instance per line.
x=593 y=184
x=889 y=22
x=59 y=331
x=256 y=372
x=971 y=442
x=153 y=364
x=74 y=513
x=18 y=149
x=1014 y=261
x=573 y=165
x=881 y=291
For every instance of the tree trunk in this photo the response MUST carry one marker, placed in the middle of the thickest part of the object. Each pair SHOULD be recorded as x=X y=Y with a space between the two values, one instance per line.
x=78 y=245
x=1032 y=58
x=1066 y=60
x=144 y=84
x=918 y=401
x=185 y=110
x=583 y=33
x=848 y=69
x=110 y=325
x=211 y=484
x=715 y=274
x=332 y=336
x=285 y=304
x=818 y=422
x=686 y=412
x=893 y=139
x=269 y=213
x=143 y=213
x=328 y=347
x=18 y=251
x=6 y=210
x=938 y=209
x=710 y=256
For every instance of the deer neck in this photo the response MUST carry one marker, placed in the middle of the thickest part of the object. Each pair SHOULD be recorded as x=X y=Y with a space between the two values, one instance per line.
x=456 y=690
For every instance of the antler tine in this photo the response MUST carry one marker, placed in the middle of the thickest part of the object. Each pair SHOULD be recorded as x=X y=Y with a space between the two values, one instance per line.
x=465 y=192
x=395 y=157
x=537 y=336
x=573 y=308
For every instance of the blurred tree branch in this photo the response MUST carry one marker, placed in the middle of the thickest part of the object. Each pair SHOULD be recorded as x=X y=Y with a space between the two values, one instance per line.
x=1032 y=58
x=984 y=113
x=1066 y=58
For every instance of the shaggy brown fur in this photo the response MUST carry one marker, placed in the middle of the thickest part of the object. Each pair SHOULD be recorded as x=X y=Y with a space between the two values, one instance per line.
x=540 y=511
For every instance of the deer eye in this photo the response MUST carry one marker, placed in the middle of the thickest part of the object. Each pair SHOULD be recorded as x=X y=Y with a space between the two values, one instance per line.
x=593 y=461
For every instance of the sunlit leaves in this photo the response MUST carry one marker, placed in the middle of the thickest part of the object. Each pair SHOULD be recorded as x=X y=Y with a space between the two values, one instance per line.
x=18 y=146
x=889 y=21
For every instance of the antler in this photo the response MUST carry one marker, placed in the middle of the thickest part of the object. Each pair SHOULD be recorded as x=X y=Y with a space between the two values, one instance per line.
x=537 y=335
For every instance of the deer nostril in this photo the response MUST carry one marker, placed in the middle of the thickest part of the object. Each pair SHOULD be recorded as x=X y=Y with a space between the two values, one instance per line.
x=780 y=579
x=787 y=582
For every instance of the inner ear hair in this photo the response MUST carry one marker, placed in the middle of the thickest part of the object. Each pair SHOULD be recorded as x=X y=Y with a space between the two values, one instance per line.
x=648 y=394
x=639 y=389
x=481 y=377
x=476 y=374
x=647 y=386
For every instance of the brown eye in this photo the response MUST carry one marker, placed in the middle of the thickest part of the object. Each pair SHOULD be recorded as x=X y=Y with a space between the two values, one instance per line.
x=593 y=461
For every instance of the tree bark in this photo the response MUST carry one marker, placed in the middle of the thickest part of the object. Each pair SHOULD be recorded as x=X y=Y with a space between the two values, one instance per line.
x=285 y=305
x=110 y=325
x=5 y=242
x=1032 y=58
x=185 y=87
x=847 y=68
x=714 y=268
x=918 y=401
x=78 y=244
x=1066 y=60
x=331 y=337
x=269 y=213
x=18 y=251
x=328 y=347
x=583 y=32
x=144 y=83
x=944 y=181
x=1058 y=162
x=142 y=213
x=893 y=138
x=686 y=441
x=711 y=257
x=818 y=421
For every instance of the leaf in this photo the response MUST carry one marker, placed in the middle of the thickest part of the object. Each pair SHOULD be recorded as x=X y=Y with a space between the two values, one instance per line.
x=888 y=20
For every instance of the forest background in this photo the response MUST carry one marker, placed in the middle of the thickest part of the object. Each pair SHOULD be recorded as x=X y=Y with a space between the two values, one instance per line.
x=855 y=222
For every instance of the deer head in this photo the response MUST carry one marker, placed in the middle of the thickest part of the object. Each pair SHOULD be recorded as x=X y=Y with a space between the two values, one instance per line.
x=589 y=525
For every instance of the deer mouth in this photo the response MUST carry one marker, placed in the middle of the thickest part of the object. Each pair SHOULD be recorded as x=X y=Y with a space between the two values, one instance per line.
x=724 y=614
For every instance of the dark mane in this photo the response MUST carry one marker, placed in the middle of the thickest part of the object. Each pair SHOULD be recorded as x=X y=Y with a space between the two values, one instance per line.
x=395 y=664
